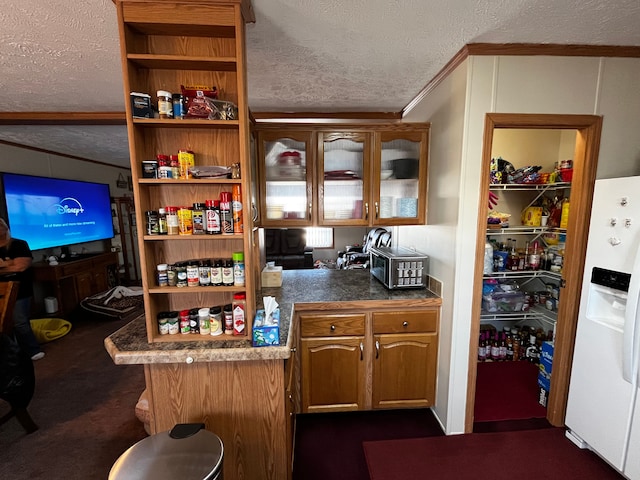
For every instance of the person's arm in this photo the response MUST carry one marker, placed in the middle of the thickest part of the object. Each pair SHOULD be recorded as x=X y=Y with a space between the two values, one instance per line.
x=15 y=265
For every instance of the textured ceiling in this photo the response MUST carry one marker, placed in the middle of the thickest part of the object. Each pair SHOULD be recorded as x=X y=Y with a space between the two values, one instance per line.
x=302 y=55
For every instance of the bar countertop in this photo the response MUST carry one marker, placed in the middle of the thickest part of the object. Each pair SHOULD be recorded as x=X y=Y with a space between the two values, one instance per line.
x=304 y=289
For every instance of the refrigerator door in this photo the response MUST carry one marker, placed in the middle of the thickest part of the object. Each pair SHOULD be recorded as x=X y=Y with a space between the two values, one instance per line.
x=599 y=407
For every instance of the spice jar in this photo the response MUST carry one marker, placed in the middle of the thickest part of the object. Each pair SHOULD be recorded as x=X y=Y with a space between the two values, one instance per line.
x=177 y=100
x=173 y=225
x=185 y=221
x=216 y=273
x=227 y=273
x=204 y=273
x=197 y=218
x=162 y=221
x=151 y=222
x=163 y=323
x=185 y=327
x=194 y=320
x=203 y=321
x=228 y=319
x=239 y=312
x=238 y=269
x=172 y=277
x=193 y=274
x=173 y=319
x=181 y=275
x=215 y=320
x=162 y=277
x=165 y=104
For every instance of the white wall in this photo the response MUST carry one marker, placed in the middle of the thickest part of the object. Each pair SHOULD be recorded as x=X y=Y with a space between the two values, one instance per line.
x=504 y=84
x=439 y=238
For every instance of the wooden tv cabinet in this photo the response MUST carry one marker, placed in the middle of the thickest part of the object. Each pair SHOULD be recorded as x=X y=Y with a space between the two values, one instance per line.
x=73 y=280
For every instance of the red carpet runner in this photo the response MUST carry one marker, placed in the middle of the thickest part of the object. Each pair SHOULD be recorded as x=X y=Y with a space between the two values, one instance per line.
x=507 y=391
x=531 y=454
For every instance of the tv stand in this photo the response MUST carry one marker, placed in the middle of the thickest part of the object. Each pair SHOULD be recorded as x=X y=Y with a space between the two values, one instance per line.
x=75 y=279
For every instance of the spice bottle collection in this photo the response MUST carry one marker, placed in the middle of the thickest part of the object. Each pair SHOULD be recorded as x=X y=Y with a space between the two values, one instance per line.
x=229 y=319
x=214 y=217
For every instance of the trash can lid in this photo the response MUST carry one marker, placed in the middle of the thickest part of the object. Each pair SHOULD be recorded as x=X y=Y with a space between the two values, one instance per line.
x=187 y=452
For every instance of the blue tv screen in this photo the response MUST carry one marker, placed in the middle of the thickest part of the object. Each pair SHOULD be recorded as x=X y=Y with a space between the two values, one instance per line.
x=52 y=212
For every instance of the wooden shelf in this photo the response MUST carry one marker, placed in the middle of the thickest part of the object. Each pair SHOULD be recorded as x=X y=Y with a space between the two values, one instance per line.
x=185 y=290
x=182 y=238
x=185 y=123
x=197 y=181
x=179 y=62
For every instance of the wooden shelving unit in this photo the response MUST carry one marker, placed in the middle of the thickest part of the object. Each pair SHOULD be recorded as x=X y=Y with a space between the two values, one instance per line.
x=166 y=44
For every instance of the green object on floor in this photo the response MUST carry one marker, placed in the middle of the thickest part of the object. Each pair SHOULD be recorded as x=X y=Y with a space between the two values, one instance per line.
x=48 y=329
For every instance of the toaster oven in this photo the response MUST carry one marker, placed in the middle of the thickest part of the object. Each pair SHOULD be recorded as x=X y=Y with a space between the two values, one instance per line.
x=398 y=267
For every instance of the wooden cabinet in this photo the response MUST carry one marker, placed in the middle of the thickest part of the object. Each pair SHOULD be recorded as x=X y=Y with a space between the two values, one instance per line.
x=356 y=175
x=406 y=349
x=367 y=360
x=165 y=45
x=70 y=282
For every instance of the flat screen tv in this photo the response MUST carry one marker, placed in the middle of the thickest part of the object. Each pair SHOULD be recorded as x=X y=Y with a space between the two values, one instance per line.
x=52 y=212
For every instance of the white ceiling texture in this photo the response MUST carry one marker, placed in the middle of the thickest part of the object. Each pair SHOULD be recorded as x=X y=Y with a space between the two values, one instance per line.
x=302 y=55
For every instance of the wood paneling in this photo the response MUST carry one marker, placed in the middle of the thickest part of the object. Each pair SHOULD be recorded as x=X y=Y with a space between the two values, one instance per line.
x=241 y=402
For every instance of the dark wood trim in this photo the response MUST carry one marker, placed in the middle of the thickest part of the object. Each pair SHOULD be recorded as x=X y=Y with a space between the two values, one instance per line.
x=66 y=155
x=63 y=118
x=588 y=128
x=552 y=49
x=326 y=117
x=451 y=65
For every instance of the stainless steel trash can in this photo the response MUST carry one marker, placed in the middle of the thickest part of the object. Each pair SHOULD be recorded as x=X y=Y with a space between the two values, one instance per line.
x=186 y=452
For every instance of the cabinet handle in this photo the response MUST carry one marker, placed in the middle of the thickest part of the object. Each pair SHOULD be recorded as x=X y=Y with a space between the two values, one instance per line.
x=377 y=211
x=405 y=324
x=333 y=328
x=377 y=349
x=254 y=212
x=361 y=351
x=309 y=210
x=366 y=209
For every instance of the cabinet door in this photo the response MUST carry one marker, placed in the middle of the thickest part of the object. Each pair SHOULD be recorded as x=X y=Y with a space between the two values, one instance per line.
x=286 y=173
x=404 y=370
x=343 y=178
x=400 y=178
x=333 y=374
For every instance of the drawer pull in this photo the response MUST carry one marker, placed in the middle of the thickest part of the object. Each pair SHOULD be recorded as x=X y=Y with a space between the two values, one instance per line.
x=377 y=349
x=405 y=324
x=333 y=328
x=361 y=351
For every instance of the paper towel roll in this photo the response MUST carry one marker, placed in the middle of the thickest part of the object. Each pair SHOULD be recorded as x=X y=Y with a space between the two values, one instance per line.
x=50 y=304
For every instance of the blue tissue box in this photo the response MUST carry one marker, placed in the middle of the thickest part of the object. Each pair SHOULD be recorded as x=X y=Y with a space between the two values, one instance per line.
x=269 y=334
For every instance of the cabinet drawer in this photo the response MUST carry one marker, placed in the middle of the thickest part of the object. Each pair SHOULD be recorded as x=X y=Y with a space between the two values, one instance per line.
x=75 y=267
x=315 y=325
x=406 y=322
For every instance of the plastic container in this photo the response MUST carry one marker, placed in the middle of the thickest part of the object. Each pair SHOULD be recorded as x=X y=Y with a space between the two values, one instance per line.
x=238 y=269
x=239 y=313
x=204 y=323
x=165 y=104
x=215 y=320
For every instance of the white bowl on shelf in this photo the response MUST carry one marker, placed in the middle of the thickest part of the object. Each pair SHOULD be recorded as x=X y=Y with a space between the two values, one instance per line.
x=384 y=174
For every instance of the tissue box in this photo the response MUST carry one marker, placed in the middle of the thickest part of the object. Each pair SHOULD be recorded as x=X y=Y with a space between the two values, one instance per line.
x=272 y=277
x=266 y=334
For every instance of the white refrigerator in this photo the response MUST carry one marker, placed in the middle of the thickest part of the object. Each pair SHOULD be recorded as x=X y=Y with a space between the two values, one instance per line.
x=603 y=408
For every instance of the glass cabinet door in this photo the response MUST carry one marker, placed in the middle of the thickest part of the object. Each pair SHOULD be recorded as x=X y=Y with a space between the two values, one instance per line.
x=287 y=174
x=343 y=176
x=400 y=172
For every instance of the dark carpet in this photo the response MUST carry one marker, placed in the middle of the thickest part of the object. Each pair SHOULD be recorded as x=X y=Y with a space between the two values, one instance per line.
x=328 y=446
x=84 y=405
x=507 y=391
x=533 y=454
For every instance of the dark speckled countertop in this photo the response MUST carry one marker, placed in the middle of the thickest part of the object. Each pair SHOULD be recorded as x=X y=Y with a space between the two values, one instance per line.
x=303 y=289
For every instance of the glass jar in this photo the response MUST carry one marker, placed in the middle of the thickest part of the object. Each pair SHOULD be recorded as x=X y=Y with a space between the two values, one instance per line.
x=163 y=323
x=181 y=275
x=162 y=276
x=173 y=225
x=204 y=273
x=216 y=273
x=162 y=221
x=194 y=320
x=172 y=277
x=165 y=104
x=227 y=273
x=193 y=274
x=151 y=222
